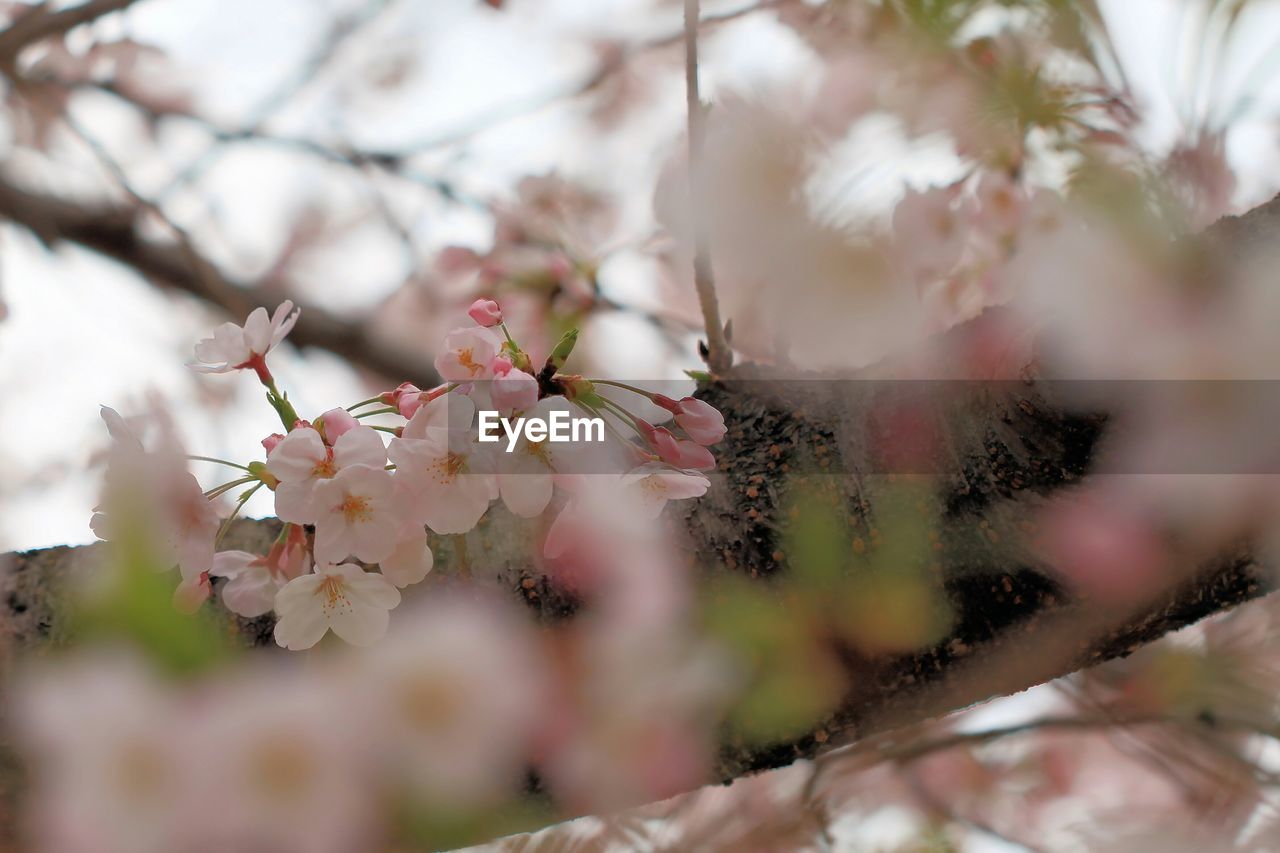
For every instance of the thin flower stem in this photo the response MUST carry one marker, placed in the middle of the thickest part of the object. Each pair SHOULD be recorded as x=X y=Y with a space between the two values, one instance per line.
x=648 y=395
x=622 y=412
x=386 y=411
x=226 y=524
x=364 y=403
x=392 y=430
x=610 y=428
x=218 y=461
x=218 y=491
x=719 y=356
x=510 y=339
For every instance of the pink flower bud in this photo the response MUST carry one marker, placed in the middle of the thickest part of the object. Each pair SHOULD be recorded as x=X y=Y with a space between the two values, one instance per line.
x=190 y=594
x=392 y=398
x=701 y=421
x=679 y=452
x=512 y=390
x=269 y=443
x=335 y=422
x=485 y=312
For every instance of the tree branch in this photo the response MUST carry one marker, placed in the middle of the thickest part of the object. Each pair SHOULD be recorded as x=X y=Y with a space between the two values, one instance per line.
x=41 y=22
x=111 y=230
x=719 y=356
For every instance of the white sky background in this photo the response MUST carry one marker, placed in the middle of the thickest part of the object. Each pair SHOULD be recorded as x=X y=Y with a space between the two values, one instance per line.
x=83 y=332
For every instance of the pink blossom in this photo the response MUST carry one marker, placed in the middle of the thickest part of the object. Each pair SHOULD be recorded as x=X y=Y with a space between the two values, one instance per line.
x=254 y=580
x=1002 y=204
x=467 y=354
x=411 y=561
x=116 y=766
x=301 y=461
x=152 y=489
x=701 y=421
x=1104 y=551
x=354 y=603
x=235 y=347
x=269 y=443
x=356 y=515
x=456 y=690
x=191 y=593
x=446 y=472
x=283 y=766
x=336 y=423
x=511 y=389
x=486 y=312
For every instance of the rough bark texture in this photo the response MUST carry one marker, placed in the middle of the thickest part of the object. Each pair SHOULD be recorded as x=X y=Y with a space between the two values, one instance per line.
x=1003 y=449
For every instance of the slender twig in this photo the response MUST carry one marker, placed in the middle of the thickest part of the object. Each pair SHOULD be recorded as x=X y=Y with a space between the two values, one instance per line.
x=719 y=357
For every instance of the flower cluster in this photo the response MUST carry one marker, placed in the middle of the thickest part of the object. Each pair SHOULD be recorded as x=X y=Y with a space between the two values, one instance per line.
x=351 y=500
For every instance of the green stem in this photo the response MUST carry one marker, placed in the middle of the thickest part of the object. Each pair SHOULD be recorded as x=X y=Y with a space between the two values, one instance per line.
x=386 y=411
x=218 y=491
x=364 y=403
x=219 y=461
x=648 y=395
x=226 y=525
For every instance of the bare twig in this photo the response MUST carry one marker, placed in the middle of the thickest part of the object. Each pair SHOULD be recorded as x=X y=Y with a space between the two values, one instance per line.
x=41 y=22
x=719 y=356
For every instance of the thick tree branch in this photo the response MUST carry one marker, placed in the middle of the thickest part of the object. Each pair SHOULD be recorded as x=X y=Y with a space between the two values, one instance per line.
x=42 y=22
x=112 y=230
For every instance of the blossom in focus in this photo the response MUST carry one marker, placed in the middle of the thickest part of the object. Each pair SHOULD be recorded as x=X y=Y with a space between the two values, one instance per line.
x=485 y=312
x=354 y=603
x=444 y=468
x=235 y=347
x=356 y=515
x=467 y=354
x=301 y=461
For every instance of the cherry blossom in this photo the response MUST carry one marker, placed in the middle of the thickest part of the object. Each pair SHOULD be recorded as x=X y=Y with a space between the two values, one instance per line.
x=354 y=603
x=447 y=470
x=254 y=580
x=457 y=691
x=302 y=461
x=356 y=515
x=467 y=354
x=235 y=347
x=411 y=561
